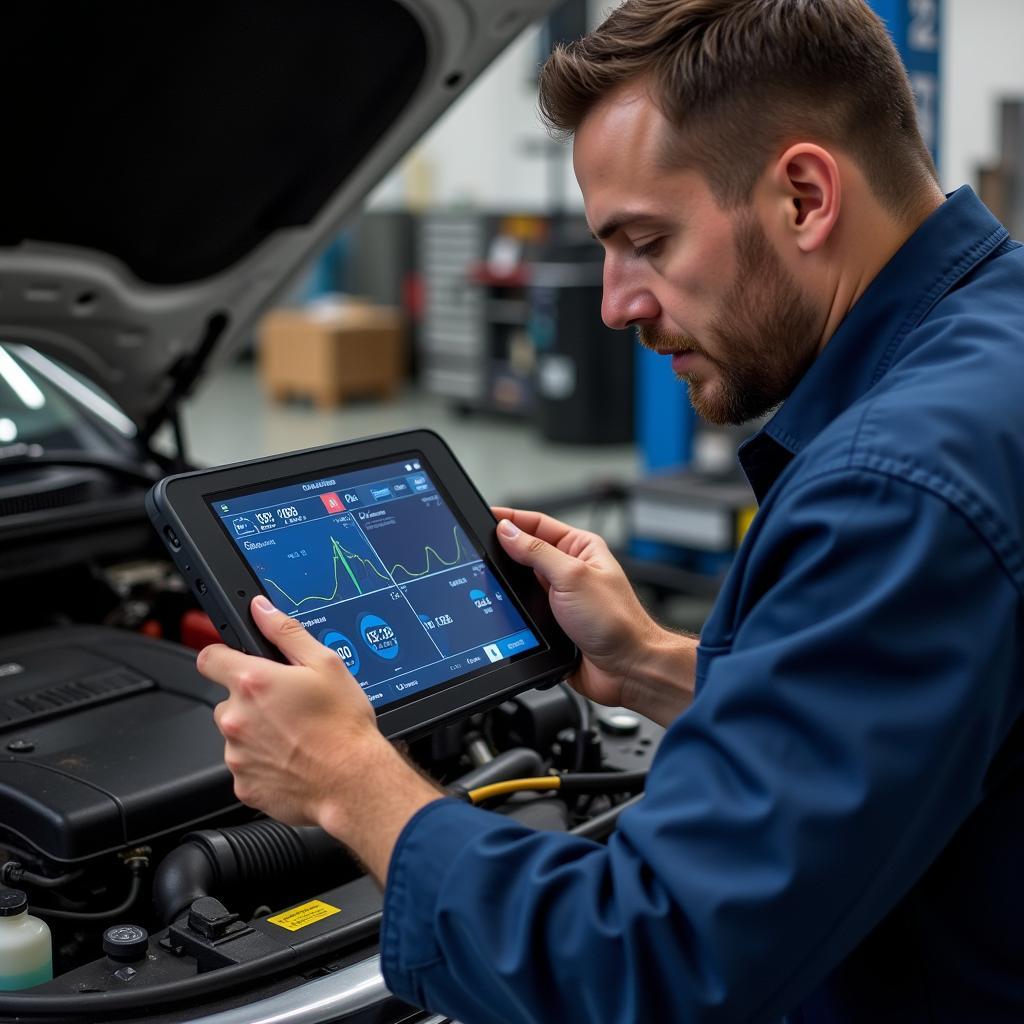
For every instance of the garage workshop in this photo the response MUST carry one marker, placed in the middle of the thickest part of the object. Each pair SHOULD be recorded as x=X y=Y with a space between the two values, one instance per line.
x=511 y=512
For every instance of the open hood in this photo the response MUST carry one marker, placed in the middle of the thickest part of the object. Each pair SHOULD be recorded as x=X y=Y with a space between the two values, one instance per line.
x=169 y=167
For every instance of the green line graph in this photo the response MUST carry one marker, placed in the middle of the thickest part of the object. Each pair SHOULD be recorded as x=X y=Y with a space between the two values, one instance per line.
x=339 y=556
x=343 y=558
x=344 y=554
x=428 y=551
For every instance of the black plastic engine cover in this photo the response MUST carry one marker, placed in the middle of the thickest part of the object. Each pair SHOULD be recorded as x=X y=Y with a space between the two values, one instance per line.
x=106 y=740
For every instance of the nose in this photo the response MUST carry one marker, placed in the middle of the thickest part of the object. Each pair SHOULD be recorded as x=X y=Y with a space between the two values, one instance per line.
x=626 y=300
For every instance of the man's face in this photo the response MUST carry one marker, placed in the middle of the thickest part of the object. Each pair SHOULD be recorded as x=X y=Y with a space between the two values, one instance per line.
x=701 y=283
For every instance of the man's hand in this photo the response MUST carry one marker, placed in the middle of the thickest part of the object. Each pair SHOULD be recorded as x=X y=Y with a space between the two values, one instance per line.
x=628 y=659
x=303 y=744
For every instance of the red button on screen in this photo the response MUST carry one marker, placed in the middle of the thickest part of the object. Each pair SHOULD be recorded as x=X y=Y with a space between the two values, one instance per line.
x=332 y=502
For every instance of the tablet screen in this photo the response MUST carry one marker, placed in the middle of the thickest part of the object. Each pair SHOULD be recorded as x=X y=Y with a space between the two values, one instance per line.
x=375 y=564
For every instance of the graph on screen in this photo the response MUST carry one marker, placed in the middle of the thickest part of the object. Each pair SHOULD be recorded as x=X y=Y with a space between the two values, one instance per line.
x=332 y=560
x=432 y=561
x=321 y=563
x=419 y=538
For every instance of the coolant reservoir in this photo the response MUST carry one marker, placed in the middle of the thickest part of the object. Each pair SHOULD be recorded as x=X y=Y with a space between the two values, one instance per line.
x=26 y=957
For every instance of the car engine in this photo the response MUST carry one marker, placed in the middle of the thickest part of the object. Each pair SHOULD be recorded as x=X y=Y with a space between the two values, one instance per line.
x=119 y=822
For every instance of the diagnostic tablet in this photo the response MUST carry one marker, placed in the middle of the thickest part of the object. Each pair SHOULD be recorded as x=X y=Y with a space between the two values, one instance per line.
x=385 y=552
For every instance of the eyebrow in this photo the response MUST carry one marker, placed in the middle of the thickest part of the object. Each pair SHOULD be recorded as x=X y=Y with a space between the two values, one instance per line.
x=619 y=221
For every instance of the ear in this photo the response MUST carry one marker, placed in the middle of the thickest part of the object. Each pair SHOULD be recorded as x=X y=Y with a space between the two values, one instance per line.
x=807 y=181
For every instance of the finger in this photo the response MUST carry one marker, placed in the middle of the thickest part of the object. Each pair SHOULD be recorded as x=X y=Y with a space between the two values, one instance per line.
x=287 y=634
x=537 y=524
x=558 y=568
x=221 y=664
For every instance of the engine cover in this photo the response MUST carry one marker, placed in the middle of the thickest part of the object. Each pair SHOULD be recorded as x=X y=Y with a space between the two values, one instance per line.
x=107 y=741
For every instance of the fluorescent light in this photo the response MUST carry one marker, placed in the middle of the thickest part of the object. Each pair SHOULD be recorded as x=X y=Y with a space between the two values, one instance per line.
x=20 y=382
x=79 y=391
x=8 y=430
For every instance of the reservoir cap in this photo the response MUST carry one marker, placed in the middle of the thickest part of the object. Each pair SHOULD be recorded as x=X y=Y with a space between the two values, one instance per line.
x=126 y=942
x=12 y=901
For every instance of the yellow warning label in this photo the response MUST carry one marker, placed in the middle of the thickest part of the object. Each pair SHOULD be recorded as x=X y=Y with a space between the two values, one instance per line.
x=299 y=917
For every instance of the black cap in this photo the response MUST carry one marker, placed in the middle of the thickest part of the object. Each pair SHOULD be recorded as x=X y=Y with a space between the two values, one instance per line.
x=12 y=901
x=126 y=942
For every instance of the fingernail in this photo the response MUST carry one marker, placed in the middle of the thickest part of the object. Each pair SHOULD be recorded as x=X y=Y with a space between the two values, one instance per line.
x=508 y=528
x=263 y=604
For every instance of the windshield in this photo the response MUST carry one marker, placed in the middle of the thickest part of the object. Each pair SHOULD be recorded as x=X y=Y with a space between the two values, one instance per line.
x=42 y=403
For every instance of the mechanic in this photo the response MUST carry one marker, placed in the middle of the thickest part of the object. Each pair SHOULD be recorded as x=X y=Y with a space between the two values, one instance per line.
x=833 y=829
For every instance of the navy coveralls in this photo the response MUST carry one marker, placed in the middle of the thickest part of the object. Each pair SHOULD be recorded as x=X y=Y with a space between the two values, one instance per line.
x=835 y=829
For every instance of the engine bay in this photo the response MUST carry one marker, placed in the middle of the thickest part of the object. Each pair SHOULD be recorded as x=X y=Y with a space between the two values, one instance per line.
x=119 y=822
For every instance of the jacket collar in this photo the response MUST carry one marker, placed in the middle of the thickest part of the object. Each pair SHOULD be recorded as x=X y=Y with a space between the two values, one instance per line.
x=951 y=242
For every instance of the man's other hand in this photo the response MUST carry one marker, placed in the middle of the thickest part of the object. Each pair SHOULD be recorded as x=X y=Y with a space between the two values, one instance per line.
x=628 y=659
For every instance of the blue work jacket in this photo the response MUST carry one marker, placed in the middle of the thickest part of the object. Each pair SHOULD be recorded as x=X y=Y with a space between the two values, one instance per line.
x=834 y=830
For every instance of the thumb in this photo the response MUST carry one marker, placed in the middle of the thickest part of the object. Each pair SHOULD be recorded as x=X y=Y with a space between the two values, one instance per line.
x=555 y=566
x=287 y=634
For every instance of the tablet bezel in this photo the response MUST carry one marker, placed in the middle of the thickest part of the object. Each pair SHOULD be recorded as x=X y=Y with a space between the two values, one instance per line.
x=224 y=583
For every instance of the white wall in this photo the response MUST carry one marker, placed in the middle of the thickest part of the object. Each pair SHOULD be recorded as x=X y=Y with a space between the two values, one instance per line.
x=477 y=154
x=487 y=150
x=983 y=61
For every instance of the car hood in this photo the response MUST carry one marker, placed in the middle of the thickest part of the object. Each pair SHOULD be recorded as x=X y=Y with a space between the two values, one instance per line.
x=170 y=168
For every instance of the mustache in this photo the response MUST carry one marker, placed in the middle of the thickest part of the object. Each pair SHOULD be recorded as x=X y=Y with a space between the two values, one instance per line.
x=665 y=343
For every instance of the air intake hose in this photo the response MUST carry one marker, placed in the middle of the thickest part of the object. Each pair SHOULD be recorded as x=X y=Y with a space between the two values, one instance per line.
x=216 y=861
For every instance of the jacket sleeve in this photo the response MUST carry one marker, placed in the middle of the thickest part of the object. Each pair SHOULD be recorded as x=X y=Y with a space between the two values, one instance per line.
x=837 y=742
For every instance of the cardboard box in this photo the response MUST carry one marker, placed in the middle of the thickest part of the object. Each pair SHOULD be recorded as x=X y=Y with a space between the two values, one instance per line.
x=332 y=350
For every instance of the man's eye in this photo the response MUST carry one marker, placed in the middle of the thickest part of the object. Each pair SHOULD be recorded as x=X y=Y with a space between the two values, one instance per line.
x=647 y=249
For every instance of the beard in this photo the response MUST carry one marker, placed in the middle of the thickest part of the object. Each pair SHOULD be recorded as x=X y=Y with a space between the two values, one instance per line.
x=765 y=337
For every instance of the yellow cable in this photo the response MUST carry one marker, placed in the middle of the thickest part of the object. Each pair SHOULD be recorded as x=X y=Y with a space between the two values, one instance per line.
x=477 y=796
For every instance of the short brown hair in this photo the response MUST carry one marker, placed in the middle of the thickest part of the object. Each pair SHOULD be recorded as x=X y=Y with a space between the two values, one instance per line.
x=740 y=79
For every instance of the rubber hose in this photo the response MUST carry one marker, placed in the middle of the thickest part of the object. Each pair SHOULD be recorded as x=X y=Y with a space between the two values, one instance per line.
x=215 y=861
x=12 y=873
x=85 y=916
x=185 y=874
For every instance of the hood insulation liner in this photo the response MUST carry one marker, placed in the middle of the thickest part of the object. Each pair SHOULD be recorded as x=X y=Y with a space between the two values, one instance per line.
x=176 y=137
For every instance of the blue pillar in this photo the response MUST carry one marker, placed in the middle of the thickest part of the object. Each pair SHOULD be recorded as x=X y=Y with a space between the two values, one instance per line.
x=665 y=425
x=665 y=419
